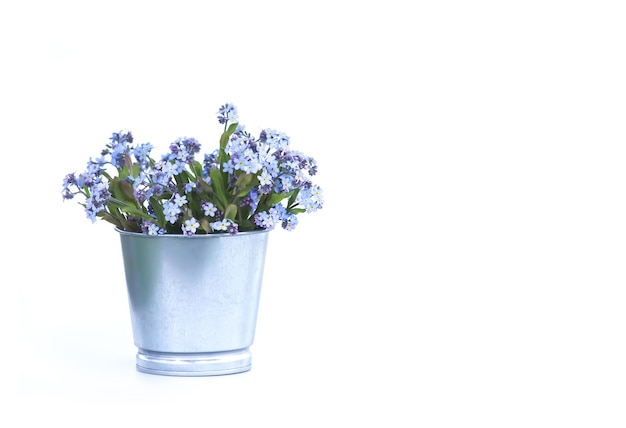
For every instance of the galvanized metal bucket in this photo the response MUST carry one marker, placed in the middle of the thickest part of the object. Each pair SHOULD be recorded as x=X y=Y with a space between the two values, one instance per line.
x=194 y=300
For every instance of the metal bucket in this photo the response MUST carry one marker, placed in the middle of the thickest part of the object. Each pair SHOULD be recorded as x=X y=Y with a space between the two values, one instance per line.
x=194 y=300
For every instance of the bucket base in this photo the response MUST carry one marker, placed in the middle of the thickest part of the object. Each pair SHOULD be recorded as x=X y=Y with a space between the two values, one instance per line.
x=194 y=364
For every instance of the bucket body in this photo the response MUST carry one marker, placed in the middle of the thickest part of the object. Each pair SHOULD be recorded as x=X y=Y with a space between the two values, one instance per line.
x=194 y=300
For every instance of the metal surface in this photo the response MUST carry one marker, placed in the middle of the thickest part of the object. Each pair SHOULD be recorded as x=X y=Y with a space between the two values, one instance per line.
x=194 y=300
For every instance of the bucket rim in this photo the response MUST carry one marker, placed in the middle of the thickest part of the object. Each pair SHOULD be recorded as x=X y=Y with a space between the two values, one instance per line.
x=195 y=236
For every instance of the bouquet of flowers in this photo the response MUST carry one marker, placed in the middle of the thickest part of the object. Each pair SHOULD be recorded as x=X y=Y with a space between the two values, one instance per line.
x=248 y=183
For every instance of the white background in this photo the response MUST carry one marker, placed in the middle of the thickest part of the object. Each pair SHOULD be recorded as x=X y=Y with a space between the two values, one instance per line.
x=466 y=270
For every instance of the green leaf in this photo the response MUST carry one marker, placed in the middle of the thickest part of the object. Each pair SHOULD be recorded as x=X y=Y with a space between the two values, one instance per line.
x=219 y=188
x=222 y=157
x=226 y=135
x=116 y=203
x=158 y=211
x=115 y=212
x=243 y=213
x=244 y=225
x=206 y=187
x=108 y=217
x=243 y=180
x=179 y=180
x=196 y=168
x=244 y=192
x=127 y=189
x=245 y=183
x=137 y=213
x=277 y=197
x=135 y=170
x=123 y=172
x=204 y=224
x=292 y=198
x=128 y=162
x=114 y=188
x=122 y=190
x=230 y=212
x=131 y=226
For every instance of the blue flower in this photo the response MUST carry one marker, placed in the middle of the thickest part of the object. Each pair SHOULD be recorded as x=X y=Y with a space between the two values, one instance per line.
x=290 y=222
x=191 y=226
x=142 y=153
x=311 y=198
x=171 y=211
x=268 y=219
x=265 y=178
x=152 y=229
x=209 y=209
x=220 y=225
x=226 y=113
x=228 y=168
x=180 y=200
